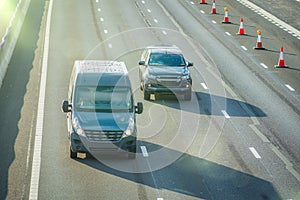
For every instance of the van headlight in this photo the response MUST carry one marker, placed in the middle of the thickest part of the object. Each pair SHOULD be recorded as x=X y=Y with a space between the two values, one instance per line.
x=130 y=130
x=76 y=126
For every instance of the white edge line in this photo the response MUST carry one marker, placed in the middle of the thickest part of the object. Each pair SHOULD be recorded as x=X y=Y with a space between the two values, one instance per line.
x=254 y=152
x=272 y=17
x=36 y=161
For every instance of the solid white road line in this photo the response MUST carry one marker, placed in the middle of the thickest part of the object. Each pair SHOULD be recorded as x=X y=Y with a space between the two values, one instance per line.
x=36 y=162
x=267 y=15
x=254 y=152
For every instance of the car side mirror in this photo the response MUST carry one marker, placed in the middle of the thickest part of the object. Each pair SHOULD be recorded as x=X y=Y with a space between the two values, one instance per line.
x=142 y=62
x=66 y=107
x=139 y=108
x=190 y=64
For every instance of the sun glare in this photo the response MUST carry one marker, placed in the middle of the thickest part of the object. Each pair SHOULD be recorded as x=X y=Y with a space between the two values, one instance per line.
x=2 y=3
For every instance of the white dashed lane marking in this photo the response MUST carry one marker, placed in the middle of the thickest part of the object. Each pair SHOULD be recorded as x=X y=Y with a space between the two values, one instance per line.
x=264 y=66
x=144 y=151
x=225 y=114
x=243 y=47
x=290 y=88
x=254 y=152
x=227 y=33
x=204 y=86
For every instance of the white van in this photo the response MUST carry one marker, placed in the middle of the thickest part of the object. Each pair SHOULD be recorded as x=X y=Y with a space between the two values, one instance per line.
x=100 y=108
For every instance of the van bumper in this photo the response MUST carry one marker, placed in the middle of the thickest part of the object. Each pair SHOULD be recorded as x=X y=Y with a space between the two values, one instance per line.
x=81 y=144
x=162 y=90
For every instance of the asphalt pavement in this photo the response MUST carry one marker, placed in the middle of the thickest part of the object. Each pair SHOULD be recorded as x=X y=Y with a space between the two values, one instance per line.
x=236 y=139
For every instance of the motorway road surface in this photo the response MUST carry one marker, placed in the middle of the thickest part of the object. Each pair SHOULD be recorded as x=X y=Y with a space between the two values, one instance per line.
x=238 y=138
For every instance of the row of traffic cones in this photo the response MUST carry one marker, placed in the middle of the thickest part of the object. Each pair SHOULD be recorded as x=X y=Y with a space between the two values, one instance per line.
x=241 y=31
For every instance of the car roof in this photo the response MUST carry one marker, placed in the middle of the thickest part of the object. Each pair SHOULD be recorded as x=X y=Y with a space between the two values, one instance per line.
x=166 y=49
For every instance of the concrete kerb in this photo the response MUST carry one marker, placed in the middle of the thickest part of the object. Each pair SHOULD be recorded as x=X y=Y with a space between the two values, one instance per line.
x=11 y=35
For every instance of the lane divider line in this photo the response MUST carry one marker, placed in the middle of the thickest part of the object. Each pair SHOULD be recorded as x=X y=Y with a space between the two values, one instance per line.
x=204 y=86
x=225 y=114
x=227 y=33
x=264 y=66
x=254 y=152
x=290 y=88
x=243 y=47
x=144 y=151
x=37 y=149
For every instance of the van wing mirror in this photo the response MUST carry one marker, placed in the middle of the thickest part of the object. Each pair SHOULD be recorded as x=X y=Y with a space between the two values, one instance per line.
x=190 y=64
x=139 y=108
x=66 y=106
x=142 y=62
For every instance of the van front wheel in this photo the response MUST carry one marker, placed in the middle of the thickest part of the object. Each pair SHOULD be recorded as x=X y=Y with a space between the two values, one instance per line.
x=146 y=95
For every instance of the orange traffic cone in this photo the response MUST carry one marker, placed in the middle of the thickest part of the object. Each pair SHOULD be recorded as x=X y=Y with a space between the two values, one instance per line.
x=281 y=60
x=214 y=9
x=226 y=18
x=241 y=29
x=259 y=42
x=202 y=2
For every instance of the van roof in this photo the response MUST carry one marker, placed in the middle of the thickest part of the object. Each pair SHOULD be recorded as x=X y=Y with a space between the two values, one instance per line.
x=100 y=66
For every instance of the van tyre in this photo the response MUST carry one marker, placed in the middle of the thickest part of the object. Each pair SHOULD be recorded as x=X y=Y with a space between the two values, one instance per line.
x=146 y=95
x=73 y=154
x=132 y=153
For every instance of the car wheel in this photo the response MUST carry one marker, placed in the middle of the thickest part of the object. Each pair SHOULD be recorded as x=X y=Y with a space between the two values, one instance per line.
x=188 y=96
x=73 y=154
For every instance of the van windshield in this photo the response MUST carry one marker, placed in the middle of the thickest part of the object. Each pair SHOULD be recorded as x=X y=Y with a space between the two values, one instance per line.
x=103 y=99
